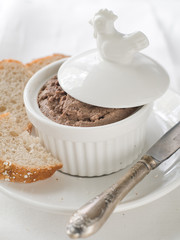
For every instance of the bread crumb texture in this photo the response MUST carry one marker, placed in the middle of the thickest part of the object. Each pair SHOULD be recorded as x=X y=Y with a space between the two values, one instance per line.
x=13 y=78
x=22 y=157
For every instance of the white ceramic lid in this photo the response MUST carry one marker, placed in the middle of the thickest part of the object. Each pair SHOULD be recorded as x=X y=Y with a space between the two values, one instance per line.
x=114 y=75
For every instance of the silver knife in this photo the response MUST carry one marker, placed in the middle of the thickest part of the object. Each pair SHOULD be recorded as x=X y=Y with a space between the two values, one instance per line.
x=90 y=217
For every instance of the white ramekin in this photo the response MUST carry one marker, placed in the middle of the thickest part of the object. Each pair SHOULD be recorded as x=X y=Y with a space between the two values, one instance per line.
x=86 y=151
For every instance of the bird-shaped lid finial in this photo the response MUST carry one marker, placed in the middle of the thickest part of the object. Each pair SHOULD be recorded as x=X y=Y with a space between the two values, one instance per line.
x=113 y=45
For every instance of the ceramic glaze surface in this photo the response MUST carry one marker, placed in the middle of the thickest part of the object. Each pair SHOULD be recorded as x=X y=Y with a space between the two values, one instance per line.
x=113 y=45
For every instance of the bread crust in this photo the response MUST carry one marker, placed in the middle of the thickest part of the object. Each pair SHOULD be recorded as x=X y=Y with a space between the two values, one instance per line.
x=37 y=64
x=24 y=174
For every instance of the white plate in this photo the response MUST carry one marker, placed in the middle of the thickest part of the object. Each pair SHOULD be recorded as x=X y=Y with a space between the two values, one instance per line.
x=63 y=193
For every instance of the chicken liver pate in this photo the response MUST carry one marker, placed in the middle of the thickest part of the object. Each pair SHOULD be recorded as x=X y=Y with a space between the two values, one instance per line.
x=60 y=107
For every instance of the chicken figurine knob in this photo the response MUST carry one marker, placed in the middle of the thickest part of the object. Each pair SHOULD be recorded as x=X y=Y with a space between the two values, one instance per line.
x=113 y=45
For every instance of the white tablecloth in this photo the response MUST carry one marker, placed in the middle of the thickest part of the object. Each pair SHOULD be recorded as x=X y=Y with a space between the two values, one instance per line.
x=30 y=29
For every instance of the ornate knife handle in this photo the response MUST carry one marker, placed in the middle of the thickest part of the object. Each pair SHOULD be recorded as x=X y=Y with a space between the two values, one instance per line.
x=90 y=217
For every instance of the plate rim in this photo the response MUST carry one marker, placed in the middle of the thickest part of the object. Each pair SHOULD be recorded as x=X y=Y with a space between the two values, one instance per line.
x=119 y=208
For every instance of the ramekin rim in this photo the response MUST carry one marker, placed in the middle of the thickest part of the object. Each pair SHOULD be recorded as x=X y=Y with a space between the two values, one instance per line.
x=42 y=118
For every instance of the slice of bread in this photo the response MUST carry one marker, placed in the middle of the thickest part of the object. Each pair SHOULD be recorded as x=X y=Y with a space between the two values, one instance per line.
x=22 y=157
x=13 y=77
x=39 y=63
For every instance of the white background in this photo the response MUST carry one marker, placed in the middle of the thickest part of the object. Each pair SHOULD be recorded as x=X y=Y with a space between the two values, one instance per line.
x=31 y=29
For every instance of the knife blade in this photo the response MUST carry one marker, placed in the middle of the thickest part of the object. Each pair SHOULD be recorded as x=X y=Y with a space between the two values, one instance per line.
x=168 y=144
x=90 y=217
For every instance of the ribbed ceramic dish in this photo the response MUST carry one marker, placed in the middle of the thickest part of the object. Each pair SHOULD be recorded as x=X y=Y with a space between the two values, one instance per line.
x=87 y=151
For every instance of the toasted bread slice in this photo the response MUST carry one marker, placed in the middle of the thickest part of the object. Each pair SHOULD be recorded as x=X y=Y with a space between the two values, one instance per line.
x=13 y=78
x=39 y=63
x=22 y=157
